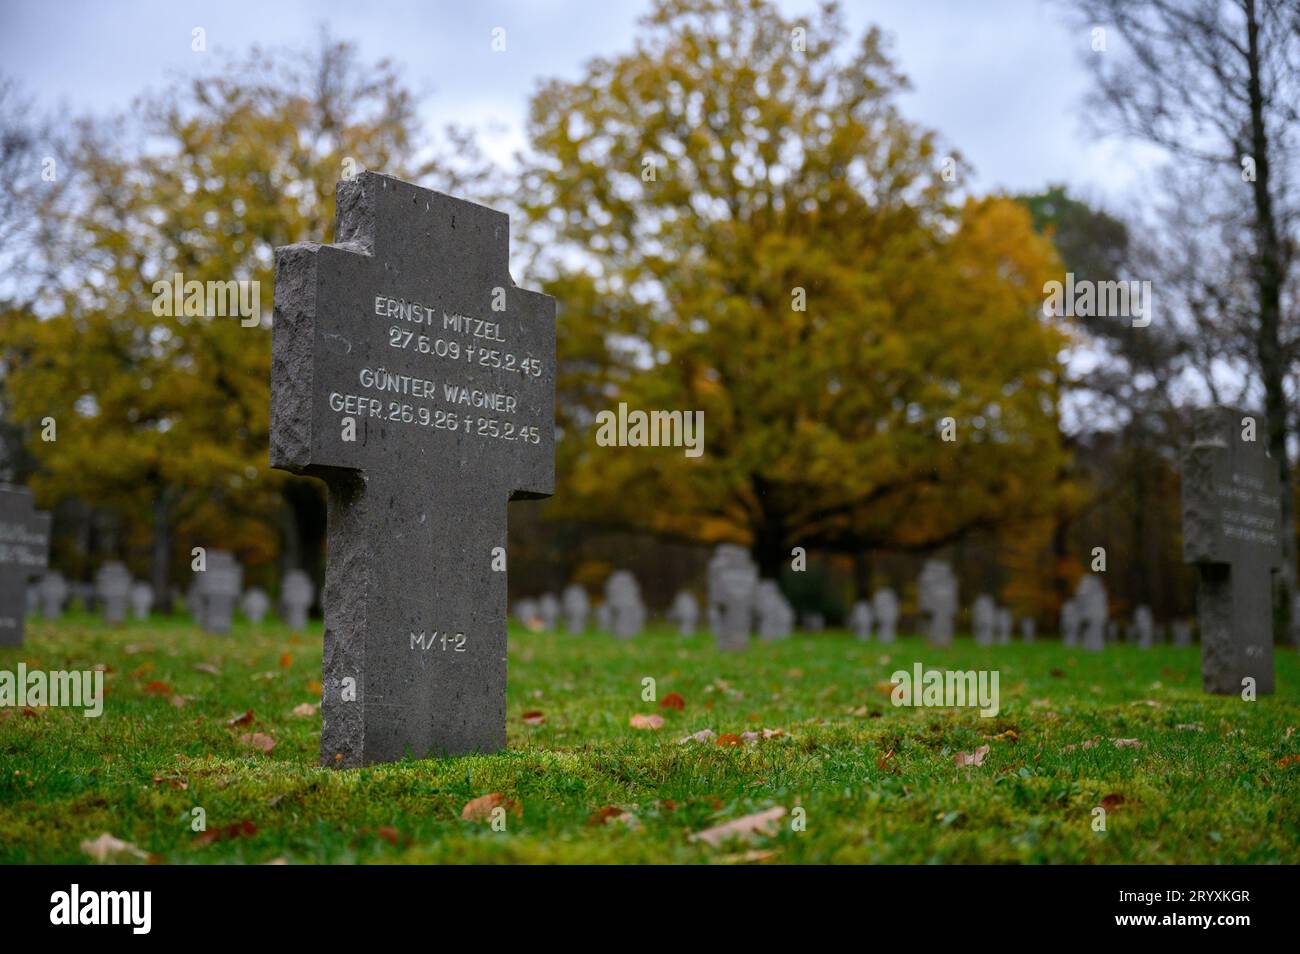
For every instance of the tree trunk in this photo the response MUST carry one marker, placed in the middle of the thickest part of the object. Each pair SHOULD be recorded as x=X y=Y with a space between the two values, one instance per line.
x=1268 y=283
x=160 y=559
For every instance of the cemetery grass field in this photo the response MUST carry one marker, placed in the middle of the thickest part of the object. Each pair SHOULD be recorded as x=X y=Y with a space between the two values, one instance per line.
x=187 y=716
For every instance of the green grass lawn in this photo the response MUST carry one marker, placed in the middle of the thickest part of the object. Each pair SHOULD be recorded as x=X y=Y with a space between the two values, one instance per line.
x=1209 y=779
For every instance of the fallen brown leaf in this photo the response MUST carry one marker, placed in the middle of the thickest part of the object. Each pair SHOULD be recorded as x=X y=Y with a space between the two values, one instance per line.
x=760 y=823
x=107 y=847
x=973 y=758
x=672 y=701
x=535 y=717
x=244 y=719
x=481 y=808
x=653 y=722
x=258 y=740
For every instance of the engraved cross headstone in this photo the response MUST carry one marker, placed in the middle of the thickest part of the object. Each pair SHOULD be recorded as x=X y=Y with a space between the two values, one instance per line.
x=1232 y=531
x=113 y=589
x=413 y=377
x=24 y=551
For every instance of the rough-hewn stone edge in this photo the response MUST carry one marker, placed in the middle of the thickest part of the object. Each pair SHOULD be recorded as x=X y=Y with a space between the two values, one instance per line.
x=355 y=210
x=293 y=331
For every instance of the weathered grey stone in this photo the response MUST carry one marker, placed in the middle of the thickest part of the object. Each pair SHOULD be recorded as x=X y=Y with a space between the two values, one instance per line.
x=54 y=595
x=1028 y=630
x=1069 y=623
x=255 y=605
x=113 y=590
x=774 y=613
x=604 y=618
x=297 y=593
x=983 y=616
x=576 y=608
x=548 y=608
x=733 y=585
x=685 y=613
x=141 y=600
x=938 y=601
x=1232 y=532
x=627 y=612
x=884 y=603
x=24 y=552
x=527 y=613
x=861 y=619
x=414 y=377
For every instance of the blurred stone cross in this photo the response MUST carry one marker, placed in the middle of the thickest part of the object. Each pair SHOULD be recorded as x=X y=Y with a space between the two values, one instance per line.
x=24 y=552
x=1232 y=531
x=412 y=376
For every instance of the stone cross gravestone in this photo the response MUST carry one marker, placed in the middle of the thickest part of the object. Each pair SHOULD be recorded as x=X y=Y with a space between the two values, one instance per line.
x=1069 y=622
x=1144 y=627
x=982 y=617
x=141 y=600
x=526 y=613
x=297 y=593
x=884 y=603
x=1028 y=629
x=685 y=612
x=413 y=377
x=1003 y=625
x=774 y=612
x=255 y=605
x=861 y=619
x=627 y=612
x=1232 y=532
x=219 y=585
x=54 y=594
x=548 y=608
x=576 y=607
x=113 y=590
x=24 y=552
x=938 y=601
x=733 y=582
x=1093 y=607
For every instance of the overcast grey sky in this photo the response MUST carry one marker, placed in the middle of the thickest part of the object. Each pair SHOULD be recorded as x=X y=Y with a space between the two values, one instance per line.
x=1002 y=80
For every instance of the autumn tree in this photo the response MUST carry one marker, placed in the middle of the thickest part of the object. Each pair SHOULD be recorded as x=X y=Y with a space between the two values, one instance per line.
x=737 y=220
x=162 y=414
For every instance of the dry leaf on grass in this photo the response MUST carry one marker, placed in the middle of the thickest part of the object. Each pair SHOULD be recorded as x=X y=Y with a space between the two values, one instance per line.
x=245 y=718
x=209 y=668
x=258 y=740
x=672 y=701
x=760 y=823
x=158 y=688
x=536 y=717
x=704 y=735
x=305 y=709
x=243 y=829
x=1127 y=743
x=973 y=758
x=481 y=808
x=106 y=848
x=654 y=722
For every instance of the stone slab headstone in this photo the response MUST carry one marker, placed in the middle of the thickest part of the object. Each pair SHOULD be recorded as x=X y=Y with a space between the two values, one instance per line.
x=1232 y=532
x=576 y=607
x=24 y=553
x=113 y=590
x=1094 y=608
x=884 y=603
x=775 y=615
x=983 y=615
x=53 y=589
x=627 y=612
x=733 y=586
x=414 y=378
x=684 y=613
x=255 y=604
x=937 y=587
x=141 y=600
x=297 y=593
x=814 y=622
x=861 y=619
x=1182 y=632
